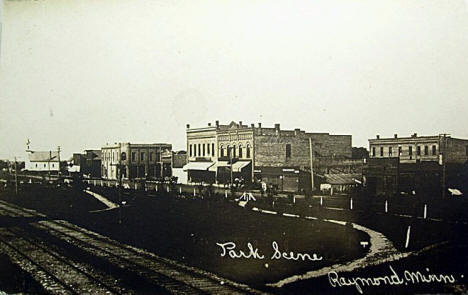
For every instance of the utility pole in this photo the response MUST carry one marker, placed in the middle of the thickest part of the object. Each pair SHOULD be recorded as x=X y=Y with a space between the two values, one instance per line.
x=230 y=160
x=16 y=178
x=58 y=155
x=311 y=165
x=119 y=169
x=48 y=162
x=444 y=160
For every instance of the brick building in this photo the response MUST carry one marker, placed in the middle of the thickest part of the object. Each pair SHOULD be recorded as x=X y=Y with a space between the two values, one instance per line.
x=88 y=163
x=276 y=156
x=415 y=164
x=136 y=161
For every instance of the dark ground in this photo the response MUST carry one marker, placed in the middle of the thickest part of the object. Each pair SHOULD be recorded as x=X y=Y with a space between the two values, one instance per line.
x=187 y=230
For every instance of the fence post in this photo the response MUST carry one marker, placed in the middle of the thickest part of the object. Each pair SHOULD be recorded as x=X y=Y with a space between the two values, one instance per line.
x=351 y=204
x=425 y=211
x=408 y=236
x=321 y=201
x=386 y=206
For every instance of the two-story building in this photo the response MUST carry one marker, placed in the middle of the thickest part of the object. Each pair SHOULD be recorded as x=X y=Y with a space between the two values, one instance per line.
x=136 y=161
x=222 y=153
x=414 y=164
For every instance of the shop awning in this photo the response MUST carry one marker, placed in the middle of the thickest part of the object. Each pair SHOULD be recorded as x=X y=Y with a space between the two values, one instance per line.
x=219 y=164
x=203 y=166
x=237 y=166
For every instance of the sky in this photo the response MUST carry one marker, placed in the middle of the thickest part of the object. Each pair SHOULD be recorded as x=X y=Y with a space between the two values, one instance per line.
x=82 y=73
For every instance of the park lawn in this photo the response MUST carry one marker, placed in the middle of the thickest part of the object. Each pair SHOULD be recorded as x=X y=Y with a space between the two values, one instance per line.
x=188 y=230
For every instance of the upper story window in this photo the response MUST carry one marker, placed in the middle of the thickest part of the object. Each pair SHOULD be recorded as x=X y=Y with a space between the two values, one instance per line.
x=123 y=156
x=221 y=151
x=212 y=149
x=373 y=151
x=288 y=150
x=204 y=149
x=418 y=150
x=390 y=151
x=199 y=150
x=410 y=151
x=229 y=151
x=158 y=157
x=381 y=151
x=233 y=151
x=151 y=156
x=434 y=150
x=133 y=156
x=240 y=150
x=194 y=150
x=426 y=150
x=142 y=156
x=208 y=149
x=248 y=151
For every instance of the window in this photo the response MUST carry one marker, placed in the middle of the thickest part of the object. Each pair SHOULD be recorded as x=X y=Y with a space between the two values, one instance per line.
x=199 y=150
x=229 y=151
x=390 y=151
x=151 y=156
x=426 y=150
x=410 y=151
x=142 y=156
x=233 y=151
x=418 y=150
x=434 y=150
x=203 y=150
x=466 y=150
x=123 y=156
x=194 y=150
x=44 y=166
x=222 y=151
x=158 y=157
x=240 y=150
x=381 y=151
x=212 y=149
x=53 y=165
x=399 y=151
x=36 y=165
x=133 y=156
x=190 y=147
x=208 y=149
x=373 y=151
x=288 y=151
x=248 y=151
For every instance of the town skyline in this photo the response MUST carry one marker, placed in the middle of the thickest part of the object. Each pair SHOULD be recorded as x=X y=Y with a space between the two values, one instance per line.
x=76 y=78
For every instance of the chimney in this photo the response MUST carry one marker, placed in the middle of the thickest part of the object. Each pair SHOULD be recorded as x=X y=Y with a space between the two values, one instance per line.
x=217 y=123
x=277 y=126
x=209 y=124
x=240 y=123
x=252 y=125
x=259 y=125
x=377 y=136
x=296 y=131
x=188 y=126
x=395 y=135
x=415 y=135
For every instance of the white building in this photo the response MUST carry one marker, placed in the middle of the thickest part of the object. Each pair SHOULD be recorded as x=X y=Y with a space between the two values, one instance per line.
x=42 y=161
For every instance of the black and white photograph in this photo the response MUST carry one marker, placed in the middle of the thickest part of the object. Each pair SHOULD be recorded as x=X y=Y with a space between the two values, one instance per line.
x=233 y=147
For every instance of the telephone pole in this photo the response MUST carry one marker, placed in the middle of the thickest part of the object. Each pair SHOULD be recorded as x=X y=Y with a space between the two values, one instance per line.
x=443 y=153
x=311 y=165
x=16 y=178
x=58 y=155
